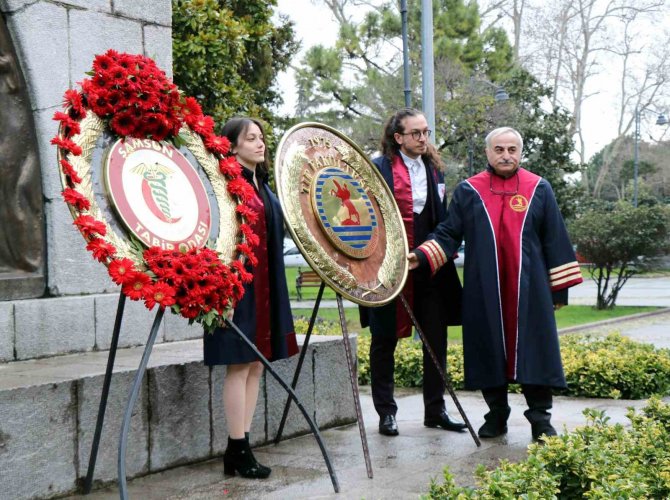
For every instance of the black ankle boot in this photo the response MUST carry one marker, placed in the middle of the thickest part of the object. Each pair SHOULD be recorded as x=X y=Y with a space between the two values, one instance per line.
x=260 y=465
x=239 y=458
x=499 y=410
x=496 y=423
x=539 y=401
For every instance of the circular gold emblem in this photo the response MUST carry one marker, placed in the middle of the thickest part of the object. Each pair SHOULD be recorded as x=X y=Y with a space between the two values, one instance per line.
x=341 y=214
x=518 y=203
x=158 y=194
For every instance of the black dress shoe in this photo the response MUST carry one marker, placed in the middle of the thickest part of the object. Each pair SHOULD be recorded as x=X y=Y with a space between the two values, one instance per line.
x=388 y=426
x=492 y=429
x=444 y=421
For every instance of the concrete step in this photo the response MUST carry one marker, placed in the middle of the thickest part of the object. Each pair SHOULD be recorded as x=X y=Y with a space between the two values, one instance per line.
x=48 y=410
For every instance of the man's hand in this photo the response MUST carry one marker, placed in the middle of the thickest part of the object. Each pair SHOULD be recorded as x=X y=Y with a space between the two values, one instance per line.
x=413 y=261
x=558 y=306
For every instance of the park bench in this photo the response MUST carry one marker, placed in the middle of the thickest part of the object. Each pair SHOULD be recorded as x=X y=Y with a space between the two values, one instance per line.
x=306 y=279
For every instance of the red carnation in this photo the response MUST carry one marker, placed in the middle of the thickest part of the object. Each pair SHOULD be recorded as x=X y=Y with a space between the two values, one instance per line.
x=230 y=167
x=247 y=212
x=249 y=234
x=248 y=251
x=159 y=293
x=203 y=125
x=123 y=123
x=69 y=126
x=100 y=249
x=67 y=145
x=74 y=100
x=240 y=187
x=89 y=226
x=245 y=276
x=73 y=197
x=117 y=74
x=136 y=285
x=192 y=106
x=69 y=170
x=121 y=270
x=217 y=144
x=102 y=62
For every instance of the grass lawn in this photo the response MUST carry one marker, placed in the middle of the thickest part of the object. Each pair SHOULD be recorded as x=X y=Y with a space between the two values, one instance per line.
x=307 y=293
x=567 y=316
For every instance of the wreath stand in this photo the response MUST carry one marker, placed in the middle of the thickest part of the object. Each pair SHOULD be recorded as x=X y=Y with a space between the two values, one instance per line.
x=354 y=382
x=135 y=389
x=352 y=376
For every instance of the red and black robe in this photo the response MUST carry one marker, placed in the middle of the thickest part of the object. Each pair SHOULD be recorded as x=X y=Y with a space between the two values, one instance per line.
x=392 y=319
x=519 y=263
x=264 y=312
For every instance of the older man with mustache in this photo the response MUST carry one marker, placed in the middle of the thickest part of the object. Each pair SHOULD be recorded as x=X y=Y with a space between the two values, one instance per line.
x=517 y=271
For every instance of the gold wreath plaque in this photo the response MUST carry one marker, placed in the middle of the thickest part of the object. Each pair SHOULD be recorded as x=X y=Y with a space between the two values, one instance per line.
x=154 y=191
x=341 y=214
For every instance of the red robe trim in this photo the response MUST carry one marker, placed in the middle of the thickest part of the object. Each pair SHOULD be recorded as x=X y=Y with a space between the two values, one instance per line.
x=506 y=202
x=402 y=192
x=261 y=278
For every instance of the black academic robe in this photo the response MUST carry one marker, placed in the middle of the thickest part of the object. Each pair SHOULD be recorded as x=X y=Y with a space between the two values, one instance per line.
x=445 y=282
x=223 y=346
x=519 y=263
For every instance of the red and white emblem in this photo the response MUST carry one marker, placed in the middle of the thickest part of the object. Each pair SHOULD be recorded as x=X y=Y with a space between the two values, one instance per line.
x=158 y=194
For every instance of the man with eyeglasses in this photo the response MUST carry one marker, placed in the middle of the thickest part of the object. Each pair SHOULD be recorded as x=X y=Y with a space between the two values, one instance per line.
x=519 y=266
x=411 y=167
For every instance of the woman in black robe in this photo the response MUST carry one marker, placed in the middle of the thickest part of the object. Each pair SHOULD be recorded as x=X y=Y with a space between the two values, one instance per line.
x=263 y=314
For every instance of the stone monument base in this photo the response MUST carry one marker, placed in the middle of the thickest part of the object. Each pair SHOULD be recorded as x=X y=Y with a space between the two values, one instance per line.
x=48 y=411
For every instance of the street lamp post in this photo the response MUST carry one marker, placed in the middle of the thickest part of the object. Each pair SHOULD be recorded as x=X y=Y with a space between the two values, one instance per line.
x=405 y=54
x=499 y=96
x=661 y=120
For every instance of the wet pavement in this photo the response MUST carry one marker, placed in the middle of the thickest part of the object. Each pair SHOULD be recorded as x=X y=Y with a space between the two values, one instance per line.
x=402 y=466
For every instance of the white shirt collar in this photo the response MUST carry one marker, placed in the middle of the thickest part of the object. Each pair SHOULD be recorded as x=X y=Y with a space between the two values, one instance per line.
x=411 y=162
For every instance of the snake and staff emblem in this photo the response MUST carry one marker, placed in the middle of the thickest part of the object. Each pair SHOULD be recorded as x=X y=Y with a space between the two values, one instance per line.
x=154 y=190
x=344 y=195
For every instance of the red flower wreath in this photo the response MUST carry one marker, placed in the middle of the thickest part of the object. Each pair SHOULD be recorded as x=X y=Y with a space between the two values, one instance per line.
x=135 y=98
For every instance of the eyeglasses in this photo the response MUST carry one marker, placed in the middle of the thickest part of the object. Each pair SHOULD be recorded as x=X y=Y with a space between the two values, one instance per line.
x=504 y=193
x=416 y=134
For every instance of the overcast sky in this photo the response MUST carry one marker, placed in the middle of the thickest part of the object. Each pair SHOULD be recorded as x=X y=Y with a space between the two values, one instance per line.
x=315 y=25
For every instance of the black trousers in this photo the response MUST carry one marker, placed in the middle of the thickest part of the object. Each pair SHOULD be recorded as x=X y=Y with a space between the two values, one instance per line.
x=430 y=313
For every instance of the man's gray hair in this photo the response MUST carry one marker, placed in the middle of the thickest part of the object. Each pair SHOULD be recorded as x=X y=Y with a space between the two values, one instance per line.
x=502 y=130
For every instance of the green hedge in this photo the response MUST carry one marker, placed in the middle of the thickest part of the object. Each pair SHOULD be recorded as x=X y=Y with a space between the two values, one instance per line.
x=598 y=367
x=597 y=461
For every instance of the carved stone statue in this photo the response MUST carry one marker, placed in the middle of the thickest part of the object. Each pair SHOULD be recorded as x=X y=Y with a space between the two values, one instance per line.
x=21 y=212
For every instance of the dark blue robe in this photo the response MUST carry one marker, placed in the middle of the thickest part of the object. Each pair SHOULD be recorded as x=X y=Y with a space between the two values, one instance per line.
x=519 y=263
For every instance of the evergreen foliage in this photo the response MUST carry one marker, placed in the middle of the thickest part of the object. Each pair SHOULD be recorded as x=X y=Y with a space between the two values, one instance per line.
x=599 y=460
x=227 y=54
x=609 y=367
